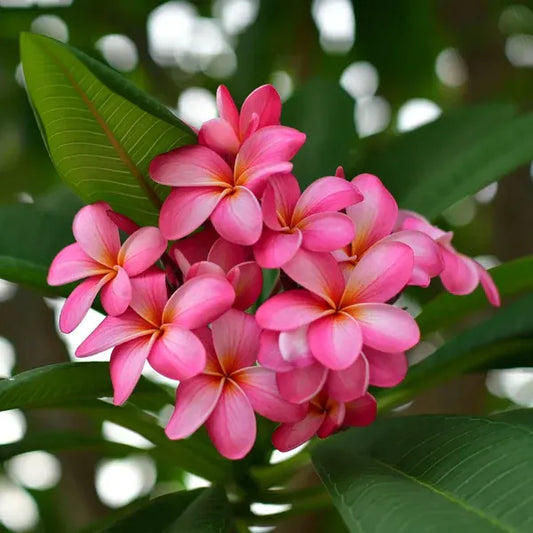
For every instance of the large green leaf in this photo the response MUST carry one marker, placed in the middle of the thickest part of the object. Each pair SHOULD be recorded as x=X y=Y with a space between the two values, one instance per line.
x=511 y=279
x=29 y=240
x=432 y=473
x=64 y=440
x=496 y=342
x=77 y=386
x=66 y=383
x=436 y=165
x=199 y=511
x=100 y=131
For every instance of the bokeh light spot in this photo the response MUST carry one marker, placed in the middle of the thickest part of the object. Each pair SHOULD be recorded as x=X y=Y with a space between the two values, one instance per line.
x=37 y=470
x=451 y=68
x=51 y=26
x=120 y=481
x=417 y=112
x=119 y=51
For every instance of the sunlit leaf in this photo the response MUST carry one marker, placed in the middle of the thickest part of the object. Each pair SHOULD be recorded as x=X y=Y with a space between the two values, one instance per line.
x=100 y=130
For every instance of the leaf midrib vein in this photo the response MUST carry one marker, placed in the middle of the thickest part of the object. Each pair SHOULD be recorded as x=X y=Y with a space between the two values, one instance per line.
x=121 y=152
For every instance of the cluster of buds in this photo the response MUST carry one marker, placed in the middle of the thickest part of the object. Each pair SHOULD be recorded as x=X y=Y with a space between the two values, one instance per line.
x=327 y=331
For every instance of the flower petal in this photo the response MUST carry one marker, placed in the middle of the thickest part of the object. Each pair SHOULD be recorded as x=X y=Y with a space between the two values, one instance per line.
x=177 y=353
x=247 y=281
x=196 y=247
x=427 y=256
x=386 y=369
x=236 y=340
x=114 y=330
x=126 y=365
x=259 y=384
x=227 y=108
x=202 y=268
x=141 y=250
x=460 y=274
x=238 y=218
x=149 y=295
x=327 y=194
x=186 y=209
x=317 y=272
x=72 y=264
x=199 y=301
x=375 y=216
x=493 y=296
x=195 y=400
x=290 y=310
x=263 y=102
x=381 y=273
x=231 y=425
x=261 y=154
x=191 y=166
x=335 y=340
x=333 y=419
x=79 y=302
x=219 y=135
x=96 y=233
x=350 y=383
x=385 y=327
x=279 y=200
x=289 y=436
x=294 y=347
x=269 y=354
x=361 y=412
x=301 y=384
x=116 y=293
x=325 y=232
x=228 y=254
x=275 y=248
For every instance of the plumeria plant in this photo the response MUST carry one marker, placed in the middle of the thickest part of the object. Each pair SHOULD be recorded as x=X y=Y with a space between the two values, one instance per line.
x=278 y=313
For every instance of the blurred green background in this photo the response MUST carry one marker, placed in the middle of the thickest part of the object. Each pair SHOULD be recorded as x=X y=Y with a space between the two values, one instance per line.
x=353 y=75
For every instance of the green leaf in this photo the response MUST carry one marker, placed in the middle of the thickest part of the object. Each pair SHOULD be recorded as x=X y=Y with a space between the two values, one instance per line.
x=29 y=240
x=446 y=309
x=199 y=511
x=64 y=440
x=324 y=112
x=77 y=386
x=66 y=383
x=434 y=166
x=101 y=131
x=432 y=473
x=494 y=343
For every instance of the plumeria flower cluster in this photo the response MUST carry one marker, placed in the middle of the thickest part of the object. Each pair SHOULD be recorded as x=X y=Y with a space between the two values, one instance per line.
x=180 y=296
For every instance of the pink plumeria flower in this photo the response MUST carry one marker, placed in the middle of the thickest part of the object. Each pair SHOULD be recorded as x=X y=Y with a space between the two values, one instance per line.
x=324 y=417
x=230 y=260
x=300 y=376
x=226 y=134
x=309 y=220
x=157 y=328
x=461 y=274
x=98 y=256
x=230 y=389
x=206 y=186
x=342 y=315
x=374 y=219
